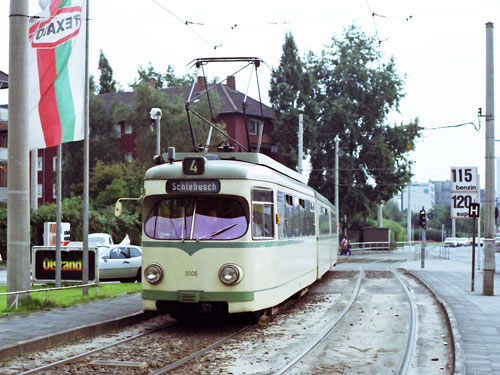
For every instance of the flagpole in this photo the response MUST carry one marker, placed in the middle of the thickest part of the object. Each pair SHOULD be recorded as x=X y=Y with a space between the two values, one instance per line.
x=58 y=216
x=85 y=228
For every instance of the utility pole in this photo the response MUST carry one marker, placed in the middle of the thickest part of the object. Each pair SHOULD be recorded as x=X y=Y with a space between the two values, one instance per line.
x=18 y=203
x=408 y=219
x=86 y=143
x=337 y=211
x=489 y=212
x=300 y=147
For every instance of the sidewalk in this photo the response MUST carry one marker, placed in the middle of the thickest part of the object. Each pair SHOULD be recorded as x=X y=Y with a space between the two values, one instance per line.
x=39 y=330
x=474 y=318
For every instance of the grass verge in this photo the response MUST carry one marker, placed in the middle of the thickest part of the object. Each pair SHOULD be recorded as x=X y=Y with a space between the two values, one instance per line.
x=64 y=298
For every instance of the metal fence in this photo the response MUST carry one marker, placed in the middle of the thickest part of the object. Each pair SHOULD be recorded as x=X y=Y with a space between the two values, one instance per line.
x=46 y=290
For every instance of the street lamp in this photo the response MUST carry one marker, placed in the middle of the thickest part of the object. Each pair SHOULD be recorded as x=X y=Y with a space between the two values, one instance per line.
x=156 y=115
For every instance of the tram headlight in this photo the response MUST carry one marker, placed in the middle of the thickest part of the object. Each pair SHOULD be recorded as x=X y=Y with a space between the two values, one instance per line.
x=230 y=274
x=153 y=273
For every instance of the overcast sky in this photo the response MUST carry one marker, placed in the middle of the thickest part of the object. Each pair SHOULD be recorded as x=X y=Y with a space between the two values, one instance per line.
x=439 y=46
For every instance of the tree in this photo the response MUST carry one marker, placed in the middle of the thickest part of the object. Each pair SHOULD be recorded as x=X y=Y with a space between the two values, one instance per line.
x=174 y=125
x=356 y=91
x=290 y=93
x=160 y=80
x=103 y=146
x=106 y=82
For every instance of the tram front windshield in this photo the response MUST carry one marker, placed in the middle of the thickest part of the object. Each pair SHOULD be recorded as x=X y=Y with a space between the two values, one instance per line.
x=196 y=219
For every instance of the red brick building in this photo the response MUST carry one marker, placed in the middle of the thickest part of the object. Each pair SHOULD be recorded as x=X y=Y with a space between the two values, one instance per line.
x=230 y=112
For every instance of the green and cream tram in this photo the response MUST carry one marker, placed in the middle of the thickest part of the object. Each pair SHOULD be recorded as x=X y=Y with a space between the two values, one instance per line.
x=231 y=233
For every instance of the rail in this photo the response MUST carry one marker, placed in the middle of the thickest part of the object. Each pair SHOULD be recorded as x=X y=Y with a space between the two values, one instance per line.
x=46 y=290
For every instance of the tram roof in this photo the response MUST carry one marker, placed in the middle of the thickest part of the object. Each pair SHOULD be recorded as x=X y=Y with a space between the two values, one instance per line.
x=160 y=171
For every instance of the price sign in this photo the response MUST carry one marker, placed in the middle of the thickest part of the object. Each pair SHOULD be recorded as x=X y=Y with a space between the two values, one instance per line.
x=460 y=203
x=464 y=179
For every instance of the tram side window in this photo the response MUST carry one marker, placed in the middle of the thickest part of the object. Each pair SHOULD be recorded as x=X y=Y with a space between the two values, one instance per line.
x=281 y=207
x=333 y=222
x=296 y=216
x=309 y=219
x=324 y=221
x=262 y=214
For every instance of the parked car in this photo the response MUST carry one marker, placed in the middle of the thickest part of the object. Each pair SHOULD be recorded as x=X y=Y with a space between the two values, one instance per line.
x=97 y=239
x=450 y=242
x=480 y=241
x=121 y=263
x=462 y=241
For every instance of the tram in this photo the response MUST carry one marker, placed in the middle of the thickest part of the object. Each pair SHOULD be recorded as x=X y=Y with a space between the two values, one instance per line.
x=227 y=233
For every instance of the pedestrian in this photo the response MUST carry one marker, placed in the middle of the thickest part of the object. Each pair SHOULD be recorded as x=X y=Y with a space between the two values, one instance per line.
x=348 y=246
x=343 y=246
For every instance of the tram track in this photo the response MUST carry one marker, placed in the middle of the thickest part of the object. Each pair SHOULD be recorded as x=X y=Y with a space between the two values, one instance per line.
x=329 y=320
x=409 y=358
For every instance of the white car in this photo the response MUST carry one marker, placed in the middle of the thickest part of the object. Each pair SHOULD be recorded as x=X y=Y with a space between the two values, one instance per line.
x=120 y=262
x=462 y=241
x=98 y=239
x=451 y=242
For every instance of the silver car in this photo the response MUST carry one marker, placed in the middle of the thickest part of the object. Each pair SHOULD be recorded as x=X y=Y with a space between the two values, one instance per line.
x=120 y=262
x=451 y=242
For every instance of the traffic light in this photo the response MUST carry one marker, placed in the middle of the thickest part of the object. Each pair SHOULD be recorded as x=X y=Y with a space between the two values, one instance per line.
x=422 y=218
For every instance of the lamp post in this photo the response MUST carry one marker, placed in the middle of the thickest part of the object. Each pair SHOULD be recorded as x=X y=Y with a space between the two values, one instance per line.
x=156 y=115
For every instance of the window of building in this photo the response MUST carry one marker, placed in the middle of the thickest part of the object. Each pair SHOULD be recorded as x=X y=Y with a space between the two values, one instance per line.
x=39 y=164
x=118 y=131
x=253 y=126
x=54 y=192
x=39 y=190
x=128 y=157
x=54 y=163
x=3 y=140
x=128 y=129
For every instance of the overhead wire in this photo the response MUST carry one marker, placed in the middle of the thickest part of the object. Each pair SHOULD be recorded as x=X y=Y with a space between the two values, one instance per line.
x=477 y=128
x=187 y=24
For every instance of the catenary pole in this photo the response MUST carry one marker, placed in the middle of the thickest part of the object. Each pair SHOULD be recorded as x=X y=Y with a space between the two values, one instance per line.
x=58 y=216
x=300 y=147
x=85 y=224
x=408 y=218
x=337 y=210
x=18 y=205
x=489 y=212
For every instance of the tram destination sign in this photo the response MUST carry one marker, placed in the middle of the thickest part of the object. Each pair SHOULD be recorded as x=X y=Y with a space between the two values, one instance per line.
x=193 y=186
x=464 y=179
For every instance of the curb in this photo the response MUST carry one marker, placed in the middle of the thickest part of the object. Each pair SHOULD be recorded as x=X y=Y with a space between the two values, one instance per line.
x=70 y=335
x=458 y=353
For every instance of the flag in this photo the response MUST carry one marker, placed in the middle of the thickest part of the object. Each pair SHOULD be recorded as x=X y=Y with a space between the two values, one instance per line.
x=57 y=73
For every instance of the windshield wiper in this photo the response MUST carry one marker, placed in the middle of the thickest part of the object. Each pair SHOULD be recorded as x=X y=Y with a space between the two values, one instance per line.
x=216 y=233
